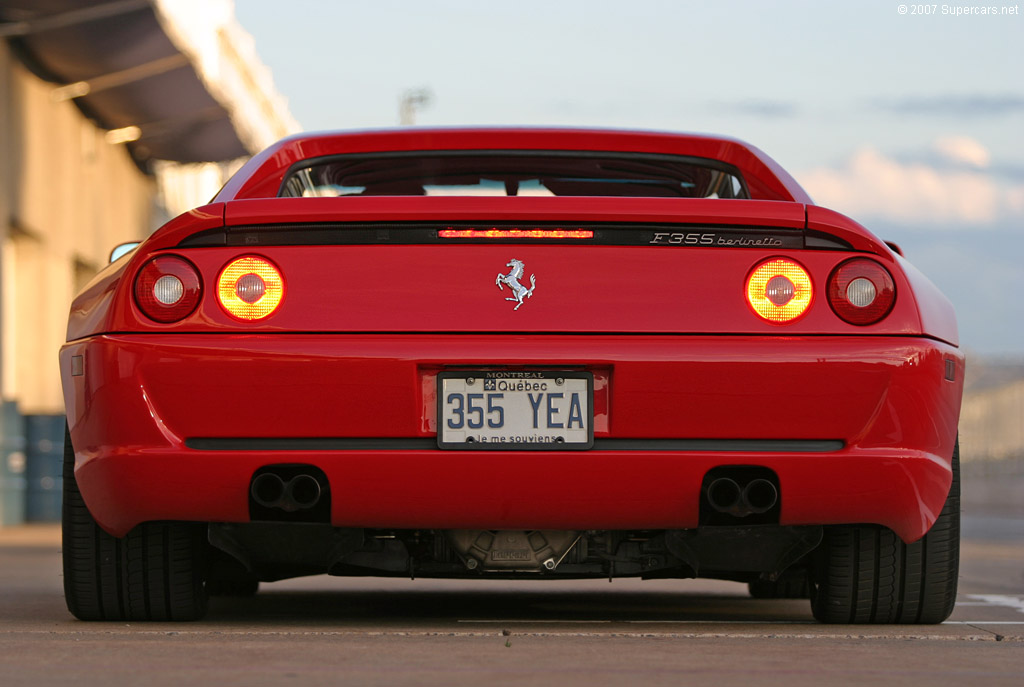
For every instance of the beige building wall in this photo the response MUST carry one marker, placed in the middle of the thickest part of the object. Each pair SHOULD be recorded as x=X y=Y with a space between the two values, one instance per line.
x=992 y=423
x=67 y=197
x=186 y=186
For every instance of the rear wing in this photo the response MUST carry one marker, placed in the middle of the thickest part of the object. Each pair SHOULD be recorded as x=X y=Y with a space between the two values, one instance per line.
x=263 y=175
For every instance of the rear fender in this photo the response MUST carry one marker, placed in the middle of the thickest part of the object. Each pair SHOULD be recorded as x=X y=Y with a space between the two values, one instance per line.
x=102 y=303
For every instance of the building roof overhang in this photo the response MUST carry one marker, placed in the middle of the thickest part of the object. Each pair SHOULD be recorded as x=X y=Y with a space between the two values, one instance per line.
x=133 y=68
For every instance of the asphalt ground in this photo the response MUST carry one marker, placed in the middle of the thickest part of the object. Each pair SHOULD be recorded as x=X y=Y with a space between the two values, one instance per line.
x=372 y=631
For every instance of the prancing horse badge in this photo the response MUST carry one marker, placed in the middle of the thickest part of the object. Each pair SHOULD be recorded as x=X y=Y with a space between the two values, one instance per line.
x=511 y=280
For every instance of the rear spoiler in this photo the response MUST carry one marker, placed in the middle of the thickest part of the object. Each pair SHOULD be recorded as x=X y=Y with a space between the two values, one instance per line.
x=267 y=221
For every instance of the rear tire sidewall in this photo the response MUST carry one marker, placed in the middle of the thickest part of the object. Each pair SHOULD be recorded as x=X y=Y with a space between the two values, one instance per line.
x=866 y=574
x=155 y=572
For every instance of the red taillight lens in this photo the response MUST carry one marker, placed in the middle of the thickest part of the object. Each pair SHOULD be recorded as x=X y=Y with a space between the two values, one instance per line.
x=861 y=291
x=250 y=288
x=168 y=288
x=779 y=290
x=515 y=233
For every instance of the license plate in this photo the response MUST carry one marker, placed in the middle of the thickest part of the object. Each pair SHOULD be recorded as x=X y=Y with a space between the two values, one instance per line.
x=518 y=410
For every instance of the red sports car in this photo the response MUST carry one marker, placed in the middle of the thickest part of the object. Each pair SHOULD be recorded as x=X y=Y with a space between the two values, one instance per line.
x=512 y=353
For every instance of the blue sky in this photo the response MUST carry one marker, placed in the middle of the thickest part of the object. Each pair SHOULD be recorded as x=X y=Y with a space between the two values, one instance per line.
x=912 y=124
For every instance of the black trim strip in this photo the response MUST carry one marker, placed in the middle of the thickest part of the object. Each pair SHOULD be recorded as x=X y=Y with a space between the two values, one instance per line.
x=311 y=444
x=426 y=233
x=430 y=443
x=741 y=445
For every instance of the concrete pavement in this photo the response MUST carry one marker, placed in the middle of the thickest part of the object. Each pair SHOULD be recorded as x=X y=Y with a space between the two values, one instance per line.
x=426 y=632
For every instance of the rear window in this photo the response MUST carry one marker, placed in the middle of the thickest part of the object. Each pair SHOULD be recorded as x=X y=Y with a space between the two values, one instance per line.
x=515 y=173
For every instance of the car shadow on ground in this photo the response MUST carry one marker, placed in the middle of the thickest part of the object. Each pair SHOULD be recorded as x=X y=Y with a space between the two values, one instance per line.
x=396 y=608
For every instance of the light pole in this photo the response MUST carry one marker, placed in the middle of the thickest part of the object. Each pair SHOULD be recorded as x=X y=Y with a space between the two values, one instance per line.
x=411 y=101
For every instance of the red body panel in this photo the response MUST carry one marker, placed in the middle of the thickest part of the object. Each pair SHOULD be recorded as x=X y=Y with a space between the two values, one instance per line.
x=579 y=289
x=832 y=223
x=353 y=353
x=935 y=311
x=572 y=209
x=96 y=308
x=889 y=403
x=409 y=288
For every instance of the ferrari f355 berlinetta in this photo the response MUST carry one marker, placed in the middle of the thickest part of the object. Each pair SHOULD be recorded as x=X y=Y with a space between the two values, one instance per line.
x=512 y=353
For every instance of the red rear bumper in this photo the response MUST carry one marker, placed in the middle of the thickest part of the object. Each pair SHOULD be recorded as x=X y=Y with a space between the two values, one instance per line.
x=142 y=397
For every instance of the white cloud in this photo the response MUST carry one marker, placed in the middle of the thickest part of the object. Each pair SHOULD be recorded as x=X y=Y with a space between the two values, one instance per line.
x=951 y=187
x=963 y=149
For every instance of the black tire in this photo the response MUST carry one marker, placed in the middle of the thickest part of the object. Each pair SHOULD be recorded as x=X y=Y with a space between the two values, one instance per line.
x=789 y=586
x=866 y=574
x=153 y=573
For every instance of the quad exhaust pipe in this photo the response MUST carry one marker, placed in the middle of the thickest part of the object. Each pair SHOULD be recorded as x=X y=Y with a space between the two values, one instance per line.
x=301 y=492
x=758 y=496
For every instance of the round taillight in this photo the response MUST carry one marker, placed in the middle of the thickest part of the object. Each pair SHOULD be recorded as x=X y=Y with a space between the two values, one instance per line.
x=779 y=290
x=168 y=288
x=861 y=291
x=250 y=288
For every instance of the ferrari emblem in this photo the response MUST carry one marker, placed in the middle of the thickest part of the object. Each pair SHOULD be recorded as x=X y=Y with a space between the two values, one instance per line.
x=511 y=280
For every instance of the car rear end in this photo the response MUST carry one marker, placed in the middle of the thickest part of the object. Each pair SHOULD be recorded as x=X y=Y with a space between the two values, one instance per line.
x=574 y=386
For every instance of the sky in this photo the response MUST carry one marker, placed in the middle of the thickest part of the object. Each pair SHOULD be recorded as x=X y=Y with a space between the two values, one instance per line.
x=907 y=117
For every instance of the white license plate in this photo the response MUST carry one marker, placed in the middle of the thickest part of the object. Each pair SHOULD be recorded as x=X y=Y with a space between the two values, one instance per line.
x=517 y=410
